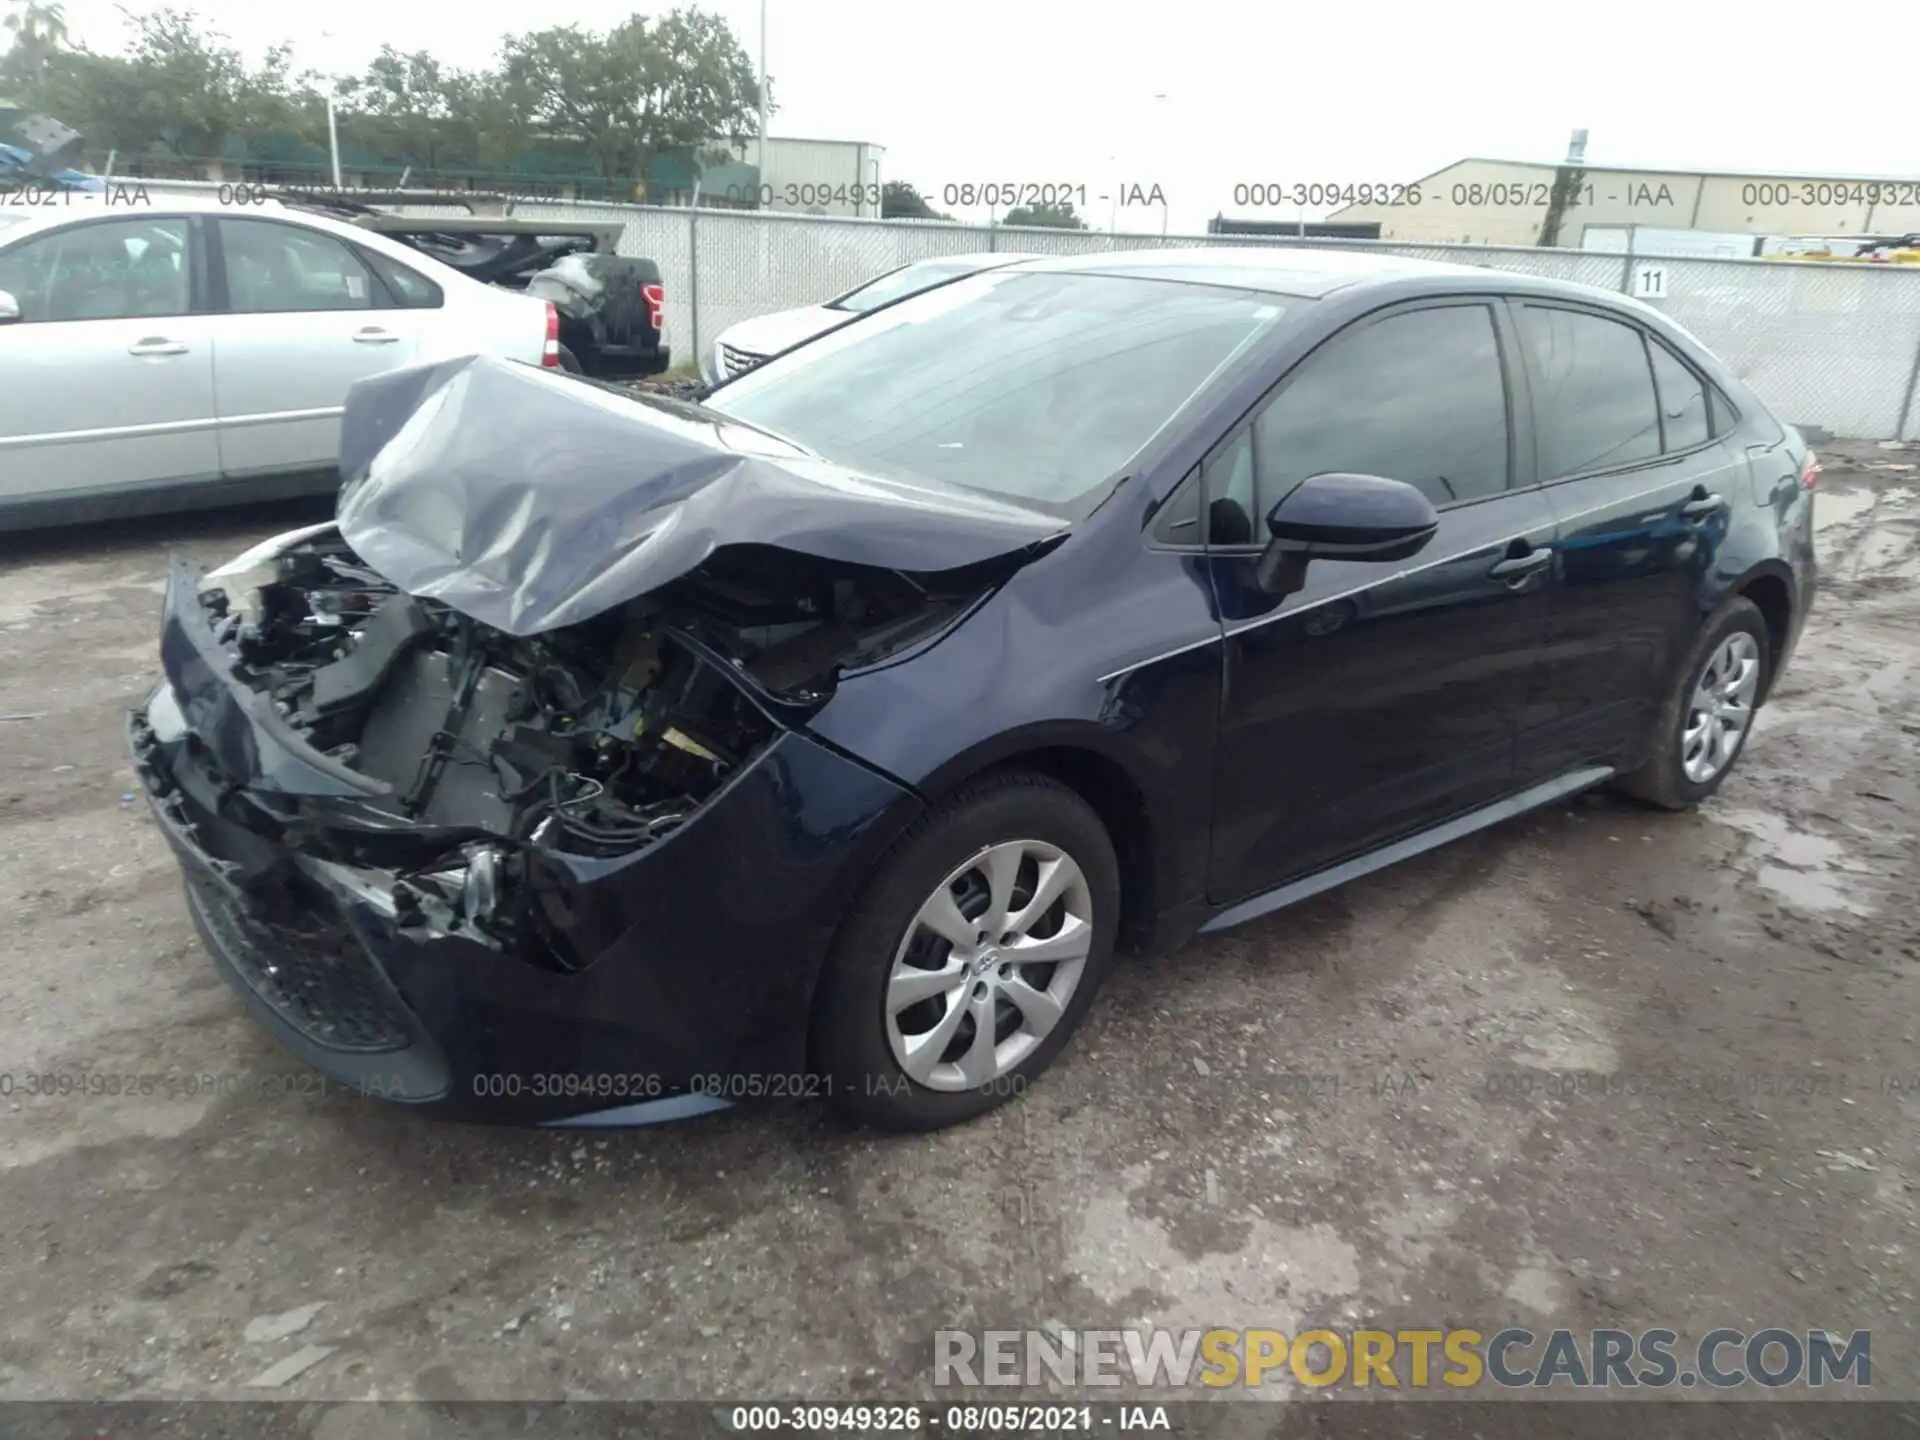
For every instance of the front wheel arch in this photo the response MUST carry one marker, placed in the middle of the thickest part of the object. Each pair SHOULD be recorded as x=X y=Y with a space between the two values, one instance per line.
x=846 y=1047
x=1116 y=795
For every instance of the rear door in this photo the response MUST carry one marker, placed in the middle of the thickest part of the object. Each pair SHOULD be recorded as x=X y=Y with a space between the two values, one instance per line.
x=1642 y=488
x=1384 y=697
x=108 y=371
x=306 y=315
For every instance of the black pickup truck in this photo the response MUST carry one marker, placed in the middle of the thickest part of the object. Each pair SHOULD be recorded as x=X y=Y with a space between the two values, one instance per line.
x=612 y=307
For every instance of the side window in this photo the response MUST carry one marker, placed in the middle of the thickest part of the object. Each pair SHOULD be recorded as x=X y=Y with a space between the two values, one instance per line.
x=1683 y=400
x=274 y=268
x=1233 y=513
x=1179 y=520
x=105 y=270
x=1418 y=396
x=1226 y=481
x=1593 y=400
x=1724 y=418
x=411 y=290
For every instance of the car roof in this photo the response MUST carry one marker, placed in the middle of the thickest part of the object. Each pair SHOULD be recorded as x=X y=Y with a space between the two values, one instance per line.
x=1301 y=271
x=94 y=206
x=121 y=203
x=91 y=207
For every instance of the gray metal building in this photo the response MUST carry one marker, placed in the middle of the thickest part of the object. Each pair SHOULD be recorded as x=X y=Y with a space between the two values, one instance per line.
x=1483 y=201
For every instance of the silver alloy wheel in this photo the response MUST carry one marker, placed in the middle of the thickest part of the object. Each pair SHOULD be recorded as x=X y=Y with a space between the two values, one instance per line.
x=1721 y=708
x=989 y=964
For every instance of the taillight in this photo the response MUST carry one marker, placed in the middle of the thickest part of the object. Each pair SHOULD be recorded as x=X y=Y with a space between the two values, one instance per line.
x=656 y=297
x=1810 y=471
x=550 y=353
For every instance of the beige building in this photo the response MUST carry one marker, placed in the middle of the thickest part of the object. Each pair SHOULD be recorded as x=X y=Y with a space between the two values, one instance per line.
x=1503 y=202
x=817 y=177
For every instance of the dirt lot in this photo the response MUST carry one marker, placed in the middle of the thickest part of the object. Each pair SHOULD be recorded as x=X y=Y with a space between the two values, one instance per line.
x=1291 y=1123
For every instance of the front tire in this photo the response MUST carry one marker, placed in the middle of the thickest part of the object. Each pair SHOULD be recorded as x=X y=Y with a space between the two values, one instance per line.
x=972 y=956
x=1708 y=715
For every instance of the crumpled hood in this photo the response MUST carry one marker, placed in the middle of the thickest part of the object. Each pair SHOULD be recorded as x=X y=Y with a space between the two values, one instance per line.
x=531 y=500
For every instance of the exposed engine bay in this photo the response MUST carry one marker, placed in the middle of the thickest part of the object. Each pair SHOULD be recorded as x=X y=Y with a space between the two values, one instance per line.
x=589 y=743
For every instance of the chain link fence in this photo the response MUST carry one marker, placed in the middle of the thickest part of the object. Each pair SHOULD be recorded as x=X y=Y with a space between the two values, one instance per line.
x=1832 y=346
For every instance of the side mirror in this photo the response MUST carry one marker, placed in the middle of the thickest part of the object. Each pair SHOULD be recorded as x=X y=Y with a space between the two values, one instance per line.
x=1342 y=517
x=9 y=308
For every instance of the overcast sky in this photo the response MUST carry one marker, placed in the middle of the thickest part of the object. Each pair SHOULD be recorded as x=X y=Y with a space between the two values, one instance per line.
x=1063 y=90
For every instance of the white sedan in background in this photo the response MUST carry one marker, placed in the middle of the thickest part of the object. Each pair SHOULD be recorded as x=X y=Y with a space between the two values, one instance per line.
x=188 y=353
x=741 y=347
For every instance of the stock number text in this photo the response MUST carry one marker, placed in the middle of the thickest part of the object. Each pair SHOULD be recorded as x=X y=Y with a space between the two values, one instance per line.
x=1324 y=192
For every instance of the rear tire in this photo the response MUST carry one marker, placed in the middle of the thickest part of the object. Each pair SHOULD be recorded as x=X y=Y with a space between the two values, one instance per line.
x=569 y=363
x=898 y=1024
x=1695 y=741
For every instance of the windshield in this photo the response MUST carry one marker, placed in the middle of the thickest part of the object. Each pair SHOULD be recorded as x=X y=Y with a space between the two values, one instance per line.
x=1036 y=385
x=907 y=280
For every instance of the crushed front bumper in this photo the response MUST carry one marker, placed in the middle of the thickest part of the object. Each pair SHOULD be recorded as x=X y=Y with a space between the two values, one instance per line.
x=699 y=952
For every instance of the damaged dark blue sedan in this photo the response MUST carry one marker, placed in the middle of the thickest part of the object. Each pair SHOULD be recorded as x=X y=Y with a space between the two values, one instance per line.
x=610 y=759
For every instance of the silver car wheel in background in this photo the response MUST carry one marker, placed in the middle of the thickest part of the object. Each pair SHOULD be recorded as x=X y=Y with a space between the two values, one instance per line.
x=1721 y=709
x=988 y=965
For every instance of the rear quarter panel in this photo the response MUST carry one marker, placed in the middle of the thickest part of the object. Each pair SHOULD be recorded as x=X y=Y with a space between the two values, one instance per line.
x=472 y=319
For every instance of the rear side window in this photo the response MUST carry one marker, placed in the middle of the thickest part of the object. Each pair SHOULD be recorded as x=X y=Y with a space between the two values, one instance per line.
x=1419 y=396
x=1683 y=400
x=286 y=268
x=1593 y=397
x=1724 y=418
x=411 y=290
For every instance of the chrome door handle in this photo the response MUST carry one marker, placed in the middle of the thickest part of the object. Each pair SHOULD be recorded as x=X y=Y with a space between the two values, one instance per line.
x=157 y=345
x=1516 y=568
x=374 y=335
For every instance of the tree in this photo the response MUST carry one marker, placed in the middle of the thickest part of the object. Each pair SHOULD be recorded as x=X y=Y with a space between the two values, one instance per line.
x=1058 y=216
x=900 y=201
x=411 y=108
x=36 y=30
x=1567 y=180
x=680 y=82
x=501 y=118
x=186 y=88
x=644 y=87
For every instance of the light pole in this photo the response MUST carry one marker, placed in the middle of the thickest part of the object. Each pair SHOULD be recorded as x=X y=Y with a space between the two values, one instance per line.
x=333 y=139
x=1165 y=204
x=333 y=124
x=763 y=92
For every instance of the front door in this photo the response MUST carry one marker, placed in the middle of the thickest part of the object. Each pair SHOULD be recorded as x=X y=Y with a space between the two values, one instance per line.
x=306 y=319
x=108 y=371
x=1384 y=697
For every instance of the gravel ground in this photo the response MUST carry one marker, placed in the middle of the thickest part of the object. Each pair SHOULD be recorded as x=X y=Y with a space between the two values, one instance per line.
x=1291 y=1123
